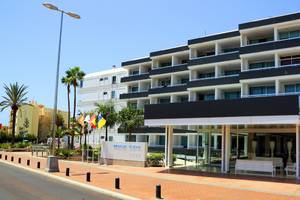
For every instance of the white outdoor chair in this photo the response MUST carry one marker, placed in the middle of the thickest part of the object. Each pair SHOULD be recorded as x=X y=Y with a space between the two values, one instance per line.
x=290 y=167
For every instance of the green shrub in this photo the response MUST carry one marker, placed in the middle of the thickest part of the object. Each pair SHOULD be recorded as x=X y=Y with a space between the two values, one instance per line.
x=155 y=159
x=66 y=153
x=22 y=144
x=5 y=146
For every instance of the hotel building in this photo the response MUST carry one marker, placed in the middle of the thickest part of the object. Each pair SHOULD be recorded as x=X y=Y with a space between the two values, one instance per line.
x=101 y=87
x=235 y=91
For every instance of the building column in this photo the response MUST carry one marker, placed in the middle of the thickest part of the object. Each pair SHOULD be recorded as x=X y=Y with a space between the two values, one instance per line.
x=245 y=145
x=277 y=87
x=166 y=145
x=217 y=94
x=297 y=151
x=276 y=60
x=225 y=167
x=215 y=141
x=276 y=34
x=169 y=145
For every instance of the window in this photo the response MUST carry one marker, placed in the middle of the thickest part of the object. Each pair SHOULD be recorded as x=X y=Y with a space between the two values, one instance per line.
x=260 y=65
x=184 y=141
x=184 y=61
x=134 y=72
x=292 y=88
x=81 y=83
x=163 y=100
x=105 y=78
x=232 y=95
x=113 y=94
x=161 y=140
x=184 y=80
x=231 y=72
x=110 y=138
x=166 y=64
x=132 y=105
x=206 y=75
x=101 y=79
x=104 y=93
x=114 y=79
x=134 y=89
x=183 y=99
x=261 y=40
x=262 y=90
x=206 y=97
x=164 y=82
x=289 y=34
x=290 y=60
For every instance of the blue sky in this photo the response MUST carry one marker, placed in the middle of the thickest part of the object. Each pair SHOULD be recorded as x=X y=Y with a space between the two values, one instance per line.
x=109 y=32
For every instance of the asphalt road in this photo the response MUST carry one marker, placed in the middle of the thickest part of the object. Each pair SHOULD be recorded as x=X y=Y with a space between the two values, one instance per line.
x=20 y=184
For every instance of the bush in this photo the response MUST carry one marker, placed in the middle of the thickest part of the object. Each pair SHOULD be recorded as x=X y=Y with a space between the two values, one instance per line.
x=66 y=153
x=5 y=146
x=22 y=145
x=4 y=137
x=155 y=159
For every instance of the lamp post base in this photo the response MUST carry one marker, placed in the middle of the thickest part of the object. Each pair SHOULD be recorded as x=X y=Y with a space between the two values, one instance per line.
x=52 y=164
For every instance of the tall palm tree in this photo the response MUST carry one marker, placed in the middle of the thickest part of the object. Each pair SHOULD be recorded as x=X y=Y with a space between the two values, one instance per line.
x=15 y=97
x=75 y=75
x=129 y=119
x=108 y=112
x=67 y=82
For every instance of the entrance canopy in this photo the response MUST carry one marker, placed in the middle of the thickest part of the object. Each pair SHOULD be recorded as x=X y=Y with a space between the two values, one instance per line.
x=247 y=111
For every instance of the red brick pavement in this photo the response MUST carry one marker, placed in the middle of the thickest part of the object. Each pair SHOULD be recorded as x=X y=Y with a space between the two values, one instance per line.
x=141 y=182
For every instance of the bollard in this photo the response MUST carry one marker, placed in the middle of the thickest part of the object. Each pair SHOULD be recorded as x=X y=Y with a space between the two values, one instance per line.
x=19 y=161
x=5 y=157
x=68 y=172
x=38 y=165
x=88 y=176
x=158 y=191
x=117 y=183
x=12 y=159
x=0 y=156
x=28 y=162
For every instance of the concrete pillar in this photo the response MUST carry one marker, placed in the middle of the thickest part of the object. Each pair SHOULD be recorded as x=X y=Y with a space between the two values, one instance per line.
x=217 y=93
x=217 y=48
x=217 y=71
x=244 y=64
x=243 y=40
x=193 y=53
x=225 y=167
x=297 y=151
x=215 y=141
x=244 y=90
x=192 y=96
x=276 y=35
x=169 y=142
x=245 y=145
x=277 y=87
x=277 y=60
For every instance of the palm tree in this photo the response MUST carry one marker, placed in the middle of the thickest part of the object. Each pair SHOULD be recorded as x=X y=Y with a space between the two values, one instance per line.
x=15 y=97
x=74 y=74
x=108 y=112
x=129 y=119
x=67 y=81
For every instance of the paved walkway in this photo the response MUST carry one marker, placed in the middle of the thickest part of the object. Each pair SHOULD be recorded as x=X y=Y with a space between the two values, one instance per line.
x=141 y=182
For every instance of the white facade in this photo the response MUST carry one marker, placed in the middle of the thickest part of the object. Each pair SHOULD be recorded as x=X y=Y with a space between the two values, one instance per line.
x=101 y=87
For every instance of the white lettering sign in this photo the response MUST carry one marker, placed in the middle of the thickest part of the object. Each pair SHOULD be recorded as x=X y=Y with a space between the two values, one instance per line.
x=133 y=151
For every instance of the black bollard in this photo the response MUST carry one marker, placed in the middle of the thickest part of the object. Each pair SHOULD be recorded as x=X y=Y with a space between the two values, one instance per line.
x=12 y=159
x=19 y=161
x=158 y=191
x=28 y=162
x=5 y=157
x=117 y=183
x=38 y=165
x=68 y=172
x=88 y=176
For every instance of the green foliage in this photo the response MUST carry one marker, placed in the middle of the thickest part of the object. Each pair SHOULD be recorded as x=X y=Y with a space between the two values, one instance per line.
x=155 y=159
x=4 y=137
x=5 y=146
x=22 y=144
x=66 y=153
x=108 y=112
x=129 y=119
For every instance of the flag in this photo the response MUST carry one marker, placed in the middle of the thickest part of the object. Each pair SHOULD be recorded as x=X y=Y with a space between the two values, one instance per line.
x=101 y=121
x=81 y=120
x=87 y=119
x=93 y=121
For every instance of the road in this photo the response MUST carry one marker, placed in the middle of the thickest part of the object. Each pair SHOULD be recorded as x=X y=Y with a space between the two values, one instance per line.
x=20 y=184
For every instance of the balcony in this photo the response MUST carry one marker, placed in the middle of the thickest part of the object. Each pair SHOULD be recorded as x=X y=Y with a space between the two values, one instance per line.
x=168 y=89
x=230 y=79
x=132 y=95
x=170 y=69
x=271 y=72
x=135 y=77
x=268 y=46
x=215 y=58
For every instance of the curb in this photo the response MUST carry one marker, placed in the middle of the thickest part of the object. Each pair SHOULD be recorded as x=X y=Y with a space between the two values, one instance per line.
x=75 y=183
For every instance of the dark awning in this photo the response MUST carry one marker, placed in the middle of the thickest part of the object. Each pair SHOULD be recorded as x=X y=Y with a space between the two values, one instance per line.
x=262 y=110
x=149 y=130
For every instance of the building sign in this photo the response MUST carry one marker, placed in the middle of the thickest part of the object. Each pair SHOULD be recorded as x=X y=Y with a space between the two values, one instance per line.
x=132 y=151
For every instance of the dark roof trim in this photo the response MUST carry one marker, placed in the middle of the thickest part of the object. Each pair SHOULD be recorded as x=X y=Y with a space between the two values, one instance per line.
x=214 y=37
x=273 y=20
x=147 y=130
x=137 y=61
x=168 y=51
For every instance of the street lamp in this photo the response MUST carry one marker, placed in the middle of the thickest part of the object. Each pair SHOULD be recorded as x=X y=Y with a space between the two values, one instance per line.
x=52 y=162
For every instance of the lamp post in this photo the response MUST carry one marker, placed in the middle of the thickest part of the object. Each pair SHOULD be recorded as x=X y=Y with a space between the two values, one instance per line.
x=52 y=162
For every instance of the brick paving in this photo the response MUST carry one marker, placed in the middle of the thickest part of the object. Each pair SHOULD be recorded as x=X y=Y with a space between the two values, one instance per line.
x=141 y=182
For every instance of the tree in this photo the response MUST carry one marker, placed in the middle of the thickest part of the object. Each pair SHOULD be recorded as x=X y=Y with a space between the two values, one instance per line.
x=15 y=97
x=26 y=124
x=61 y=130
x=67 y=82
x=108 y=112
x=75 y=75
x=129 y=119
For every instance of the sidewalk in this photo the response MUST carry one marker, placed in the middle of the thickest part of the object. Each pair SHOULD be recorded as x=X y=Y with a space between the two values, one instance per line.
x=141 y=182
